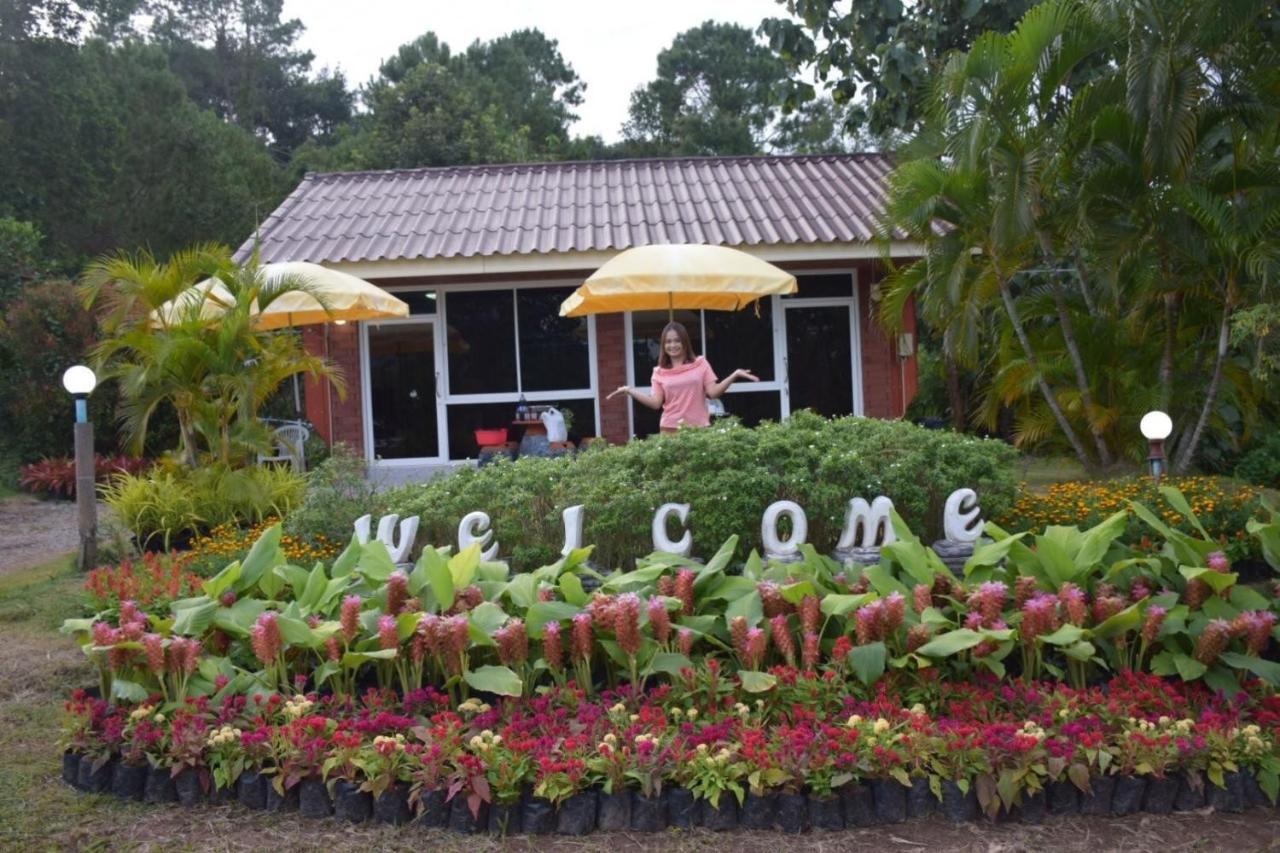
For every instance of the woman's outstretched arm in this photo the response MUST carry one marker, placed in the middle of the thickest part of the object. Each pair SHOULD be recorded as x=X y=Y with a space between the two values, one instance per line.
x=714 y=390
x=653 y=401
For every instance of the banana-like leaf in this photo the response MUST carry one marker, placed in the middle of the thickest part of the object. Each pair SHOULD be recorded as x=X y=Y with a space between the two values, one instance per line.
x=495 y=679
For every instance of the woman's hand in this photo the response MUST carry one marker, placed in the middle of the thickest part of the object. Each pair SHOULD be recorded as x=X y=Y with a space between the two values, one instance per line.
x=741 y=373
x=621 y=389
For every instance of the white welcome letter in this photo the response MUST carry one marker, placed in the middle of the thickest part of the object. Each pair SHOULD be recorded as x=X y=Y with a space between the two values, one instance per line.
x=661 y=542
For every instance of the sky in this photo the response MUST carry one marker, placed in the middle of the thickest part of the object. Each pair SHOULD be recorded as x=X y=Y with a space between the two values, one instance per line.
x=613 y=45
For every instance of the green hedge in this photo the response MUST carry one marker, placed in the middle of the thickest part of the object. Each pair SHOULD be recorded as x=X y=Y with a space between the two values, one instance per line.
x=729 y=474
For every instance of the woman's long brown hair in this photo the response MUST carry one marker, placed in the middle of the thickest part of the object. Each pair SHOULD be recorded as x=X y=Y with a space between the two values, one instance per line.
x=664 y=360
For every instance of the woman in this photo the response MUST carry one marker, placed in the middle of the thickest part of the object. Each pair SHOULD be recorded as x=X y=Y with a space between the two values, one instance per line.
x=682 y=383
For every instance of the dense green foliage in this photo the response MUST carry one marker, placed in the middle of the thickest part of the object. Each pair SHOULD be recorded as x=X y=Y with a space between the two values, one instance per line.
x=728 y=475
x=338 y=492
x=1261 y=465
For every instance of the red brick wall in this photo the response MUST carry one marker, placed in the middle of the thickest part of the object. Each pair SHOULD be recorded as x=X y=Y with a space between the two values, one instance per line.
x=335 y=418
x=611 y=371
x=888 y=382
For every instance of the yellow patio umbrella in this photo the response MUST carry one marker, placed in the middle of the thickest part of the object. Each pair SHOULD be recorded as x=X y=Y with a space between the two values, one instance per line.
x=331 y=296
x=690 y=276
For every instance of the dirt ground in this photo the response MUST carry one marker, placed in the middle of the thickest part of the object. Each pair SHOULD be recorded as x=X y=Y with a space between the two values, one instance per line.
x=33 y=531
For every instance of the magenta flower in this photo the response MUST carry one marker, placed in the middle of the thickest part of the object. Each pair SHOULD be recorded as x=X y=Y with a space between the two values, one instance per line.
x=1218 y=562
x=265 y=638
x=349 y=617
x=553 y=646
x=513 y=643
x=153 y=648
x=684 y=640
x=388 y=634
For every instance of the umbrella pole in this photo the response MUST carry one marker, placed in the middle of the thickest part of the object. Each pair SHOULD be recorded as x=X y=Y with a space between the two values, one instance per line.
x=671 y=307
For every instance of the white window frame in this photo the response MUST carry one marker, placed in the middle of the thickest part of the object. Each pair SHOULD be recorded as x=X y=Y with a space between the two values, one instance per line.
x=443 y=396
x=781 y=381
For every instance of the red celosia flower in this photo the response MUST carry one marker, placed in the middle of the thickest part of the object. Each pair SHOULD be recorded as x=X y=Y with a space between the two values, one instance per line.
x=1213 y=641
x=684 y=590
x=782 y=638
x=553 y=646
x=397 y=592
x=659 y=620
x=582 y=638
x=513 y=643
x=388 y=635
x=840 y=651
x=626 y=626
x=349 y=617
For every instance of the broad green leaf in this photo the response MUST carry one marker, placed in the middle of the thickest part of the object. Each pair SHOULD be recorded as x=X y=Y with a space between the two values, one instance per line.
x=352 y=659
x=239 y=618
x=1267 y=670
x=634 y=580
x=522 y=590
x=1178 y=502
x=669 y=662
x=1082 y=651
x=749 y=606
x=729 y=588
x=1119 y=623
x=494 y=572
x=885 y=583
x=756 y=682
x=222 y=581
x=272 y=583
x=193 y=621
x=1247 y=598
x=296 y=577
x=406 y=624
x=543 y=612
x=868 y=662
x=571 y=589
x=295 y=631
x=128 y=691
x=1221 y=679
x=720 y=561
x=463 y=565
x=1268 y=535
x=495 y=679
x=950 y=643
x=991 y=553
x=794 y=593
x=1163 y=664
x=575 y=558
x=1096 y=540
x=488 y=617
x=440 y=579
x=839 y=605
x=375 y=562
x=1064 y=636
x=264 y=554
x=346 y=562
x=1217 y=581
x=753 y=567
x=1188 y=667
x=313 y=590
x=1057 y=563
x=913 y=557
x=324 y=672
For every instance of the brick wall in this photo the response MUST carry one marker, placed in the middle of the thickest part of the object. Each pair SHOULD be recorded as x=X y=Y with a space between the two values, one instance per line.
x=888 y=382
x=335 y=418
x=611 y=371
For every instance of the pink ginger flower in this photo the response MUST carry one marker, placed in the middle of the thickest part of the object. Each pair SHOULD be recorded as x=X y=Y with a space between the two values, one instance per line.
x=601 y=608
x=1152 y=624
x=771 y=598
x=1255 y=626
x=581 y=637
x=265 y=638
x=469 y=598
x=153 y=648
x=921 y=597
x=553 y=646
x=659 y=620
x=866 y=622
x=388 y=634
x=546 y=593
x=133 y=630
x=457 y=634
x=349 y=617
x=103 y=634
x=684 y=641
x=333 y=649
x=1218 y=562
x=860 y=586
x=666 y=586
x=1039 y=617
x=990 y=599
x=756 y=641
x=782 y=638
x=810 y=614
x=738 y=634
x=184 y=655
x=397 y=592
x=973 y=620
x=1104 y=607
x=513 y=643
x=1074 y=604
x=684 y=590
x=1024 y=589
x=895 y=613
x=1213 y=641
x=1196 y=593
x=811 y=650
x=129 y=612
x=918 y=635
x=626 y=627
x=1139 y=590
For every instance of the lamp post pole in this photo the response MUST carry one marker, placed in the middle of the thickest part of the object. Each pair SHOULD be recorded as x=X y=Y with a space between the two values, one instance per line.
x=1155 y=428
x=80 y=381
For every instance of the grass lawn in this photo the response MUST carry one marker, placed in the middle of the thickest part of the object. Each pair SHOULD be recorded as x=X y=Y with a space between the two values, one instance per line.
x=38 y=812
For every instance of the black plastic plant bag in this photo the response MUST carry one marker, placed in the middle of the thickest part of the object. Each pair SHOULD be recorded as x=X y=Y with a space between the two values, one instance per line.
x=539 y=816
x=313 y=799
x=159 y=787
x=71 y=768
x=792 y=813
x=859 y=805
x=462 y=820
x=350 y=804
x=758 y=811
x=392 y=805
x=506 y=818
x=1228 y=799
x=1162 y=791
x=959 y=806
x=1127 y=798
x=1033 y=807
x=251 y=790
x=433 y=809
x=920 y=800
x=127 y=781
x=720 y=816
x=680 y=807
x=577 y=814
x=891 y=800
x=281 y=803
x=94 y=781
x=1254 y=796
x=825 y=813
x=1064 y=797
x=189 y=788
x=615 y=812
x=1097 y=801
x=1191 y=792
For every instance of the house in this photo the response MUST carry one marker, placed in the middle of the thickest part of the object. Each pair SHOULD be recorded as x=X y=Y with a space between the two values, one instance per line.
x=484 y=255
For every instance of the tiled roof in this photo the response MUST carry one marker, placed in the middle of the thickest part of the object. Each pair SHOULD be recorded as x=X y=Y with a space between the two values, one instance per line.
x=576 y=207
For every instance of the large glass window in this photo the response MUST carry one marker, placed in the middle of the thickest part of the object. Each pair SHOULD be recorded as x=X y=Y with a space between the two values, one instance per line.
x=741 y=339
x=481 y=342
x=554 y=353
x=646 y=338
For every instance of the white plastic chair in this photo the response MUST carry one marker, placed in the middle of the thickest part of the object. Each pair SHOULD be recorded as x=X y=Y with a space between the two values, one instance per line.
x=290 y=439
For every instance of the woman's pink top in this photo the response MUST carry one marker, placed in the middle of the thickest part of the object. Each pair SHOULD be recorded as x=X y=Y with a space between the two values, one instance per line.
x=684 y=393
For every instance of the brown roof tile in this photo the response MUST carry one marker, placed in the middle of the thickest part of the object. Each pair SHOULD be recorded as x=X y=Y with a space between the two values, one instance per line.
x=469 y=211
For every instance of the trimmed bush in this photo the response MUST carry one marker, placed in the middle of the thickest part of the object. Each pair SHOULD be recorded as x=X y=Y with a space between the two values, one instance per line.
x=1261 y=465
x=729 y=474
x=338 y=492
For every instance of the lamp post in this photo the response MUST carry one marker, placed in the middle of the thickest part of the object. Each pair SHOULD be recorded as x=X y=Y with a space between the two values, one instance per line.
x=1156 y=427
x=79 y=382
